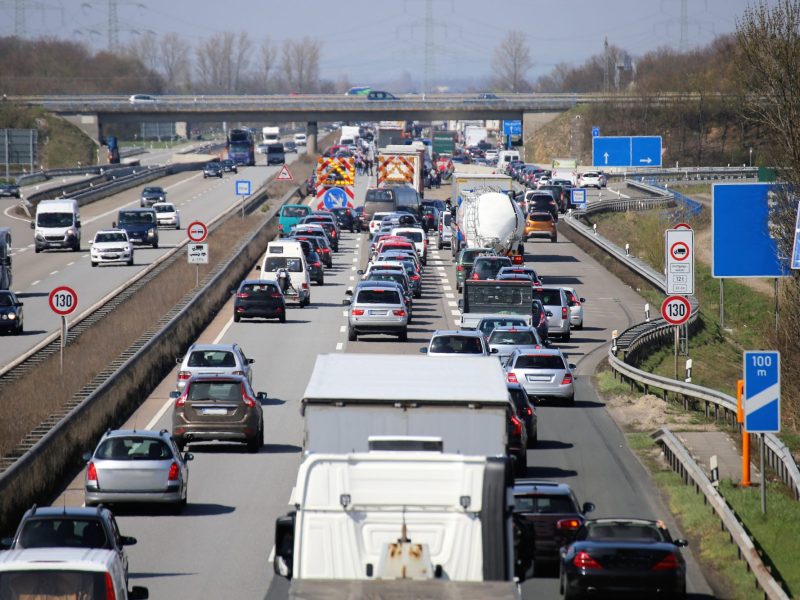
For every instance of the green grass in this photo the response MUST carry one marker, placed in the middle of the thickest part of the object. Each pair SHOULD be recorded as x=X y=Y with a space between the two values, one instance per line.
x=710 y=545
x=607 y=385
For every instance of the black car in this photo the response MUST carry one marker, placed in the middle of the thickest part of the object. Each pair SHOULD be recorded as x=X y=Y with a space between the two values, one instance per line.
x=229 y=166
x=554 y=511
x=11 y=317
x=276 y=154
x=358 y=215
x=9 y=189
x=525 y=411
x=560 y=193
x=379 y=95
x=542 y=202
x=319 y=244
x=70 y=527
x=212 y=169
x=330 y=228
x=623 y=558
x=152 y=194
x=345 y=218
x=256 y=298
x=517 y=442
x=539 y=320
x=315 y=268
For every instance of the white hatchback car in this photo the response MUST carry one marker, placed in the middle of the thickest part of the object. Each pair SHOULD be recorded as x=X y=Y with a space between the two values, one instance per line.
x=111 y=245
x=591 y=179
x=167 y=215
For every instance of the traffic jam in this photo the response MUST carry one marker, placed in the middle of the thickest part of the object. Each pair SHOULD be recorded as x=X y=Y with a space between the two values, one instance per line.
x=414 y=478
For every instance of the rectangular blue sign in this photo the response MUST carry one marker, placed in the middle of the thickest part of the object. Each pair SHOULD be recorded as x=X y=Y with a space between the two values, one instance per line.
x=578 y=198
x=796 y=245
x=740 y=240
x=512 y=127
x=626 y=151
x=242 y=187
x=762 y=392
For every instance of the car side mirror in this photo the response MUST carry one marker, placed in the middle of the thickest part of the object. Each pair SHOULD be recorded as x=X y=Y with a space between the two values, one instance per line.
x=346 y=301
x=128 y=540
x=258 y=267
x=548 y=313
x=681 y=543
x=20 y=304
x=494 y=351
x=113 y=224
x=178 y=360
x=582 y=300
x=250 y=361
x=91 y=242
x=138 y=593
x=360 y=271
x=588 y=507
x=423 y=350
x=33 y=225
x=572 y=366
x=188 y=456
x=78 y=223
x=261 y=396
x=86 y=456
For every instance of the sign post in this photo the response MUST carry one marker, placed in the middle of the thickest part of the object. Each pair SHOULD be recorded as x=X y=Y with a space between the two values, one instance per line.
x=762 y=401
x=197 y=251
x=745 y=482
x=676 y=310
x=243 y=190
x=63 y=301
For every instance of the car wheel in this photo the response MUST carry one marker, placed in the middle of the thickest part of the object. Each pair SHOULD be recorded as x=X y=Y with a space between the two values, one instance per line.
x=554 y=239
x=130 y=261
x=94 y=264
x=352 y=336
x=282 y=318
x=19 y=330
x=37 y=250
x=579 y=326
x=321 y=281
x=571 y=400
x=236 y=318
x=403 y=336
x=155 y=244
x=254 y=445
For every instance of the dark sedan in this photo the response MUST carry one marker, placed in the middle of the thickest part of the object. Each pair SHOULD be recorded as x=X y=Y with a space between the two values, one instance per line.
x=525 y=411
x=212 y=169
x=11 y=318
x=9 y=189
x=345 y=218
x=256 y=298
x=229 y=166
x=623 y=558
x=315 y=268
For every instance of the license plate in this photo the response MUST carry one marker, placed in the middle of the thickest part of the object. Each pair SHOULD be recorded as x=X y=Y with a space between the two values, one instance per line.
x=538 y=378
x=215 y=411
x=377 y=312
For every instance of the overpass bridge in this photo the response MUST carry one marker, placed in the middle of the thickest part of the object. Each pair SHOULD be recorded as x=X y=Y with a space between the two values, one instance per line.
x=92 y=113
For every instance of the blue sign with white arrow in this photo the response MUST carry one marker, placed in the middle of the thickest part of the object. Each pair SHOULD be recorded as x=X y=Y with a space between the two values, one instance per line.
x=626 y=151
x=512 y=127
x=595 y=131
x=762 y=392
x=334 y=197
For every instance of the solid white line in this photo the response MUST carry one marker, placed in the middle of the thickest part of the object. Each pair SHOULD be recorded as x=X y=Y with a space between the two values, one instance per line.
x=223 y=332
x=159 y=414
x=339 y=346
x=5 y=212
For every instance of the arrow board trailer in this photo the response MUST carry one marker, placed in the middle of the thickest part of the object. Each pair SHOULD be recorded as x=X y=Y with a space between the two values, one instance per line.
x=401 y=165
x=392 y=518
x=402 y=396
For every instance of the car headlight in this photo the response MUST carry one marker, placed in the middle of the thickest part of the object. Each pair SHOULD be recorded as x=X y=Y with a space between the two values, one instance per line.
x=72 y=231
x=11 y=316
x=151 y=232
x=39 y=236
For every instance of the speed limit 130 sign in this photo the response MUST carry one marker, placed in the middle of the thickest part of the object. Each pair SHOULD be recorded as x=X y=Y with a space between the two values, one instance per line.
x=676 y=310
x=63 y=300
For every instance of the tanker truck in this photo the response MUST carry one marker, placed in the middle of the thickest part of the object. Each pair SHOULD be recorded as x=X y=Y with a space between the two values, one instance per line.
x=490 y=219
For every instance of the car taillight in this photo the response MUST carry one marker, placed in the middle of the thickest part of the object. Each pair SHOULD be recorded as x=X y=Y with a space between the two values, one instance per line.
x=327 y=250
x=242 y=295
x=110 y=593
x=181 y=400
x=358 y=312
x=399 y=313
x=247 y=400
x=542 y=318
x=567 y=379
x=517 y=425
x=564 y=312
x=91 y=472
x=305 y=286
x=529 y=411
x=238 y=373
x=333 y=233
x=474 y=276
x=173 y=472
x=280 y=226
x=582 y=560
x=459 y=268
x=511 y=378
x=415 y=278
x=517 y=259
x=668 y=563
x=184 y=375
x=316 y=265
x=568 y=524
x=275 y=295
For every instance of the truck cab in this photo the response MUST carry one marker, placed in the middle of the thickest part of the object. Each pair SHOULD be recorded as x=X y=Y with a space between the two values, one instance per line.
x=57 y=225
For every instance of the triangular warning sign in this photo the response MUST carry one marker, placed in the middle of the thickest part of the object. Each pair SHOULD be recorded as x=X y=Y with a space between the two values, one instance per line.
x=284 y=174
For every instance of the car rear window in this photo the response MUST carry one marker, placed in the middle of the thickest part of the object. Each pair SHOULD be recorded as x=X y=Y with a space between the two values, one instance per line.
x=539 y=361
x=56 y=583
x=414 y=236
x=548 y=297
x=378 y=297
x=456 y=344
x=259 y=289
x=294 y=211
x=544 y=503
x=69 y=532
x=623 y=531
x=512 y=337
x=488 y=268
x=215 y=390
x=212 y=358
x=133 y=448
x=540 y=217
x=290 y=263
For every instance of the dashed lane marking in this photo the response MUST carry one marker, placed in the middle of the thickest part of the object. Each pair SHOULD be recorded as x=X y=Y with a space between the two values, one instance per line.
x=36 y=282
x=339 y=346
x=53 y=272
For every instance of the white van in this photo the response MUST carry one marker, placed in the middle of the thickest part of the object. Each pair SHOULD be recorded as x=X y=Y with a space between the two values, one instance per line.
x=57 y=225
x=505 y=157
x=300 y=139
x=65 y=573
x=288 y=254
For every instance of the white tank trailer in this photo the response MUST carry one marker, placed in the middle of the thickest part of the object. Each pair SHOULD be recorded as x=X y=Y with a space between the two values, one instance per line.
x=489 y=219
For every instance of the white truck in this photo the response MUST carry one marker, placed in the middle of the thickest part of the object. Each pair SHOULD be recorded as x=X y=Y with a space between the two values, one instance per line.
x=489 y=219
x=565 y=168
x=474 y=134
x=349 y=135
x=406 y=522
x=271 y=135
x=466 y=405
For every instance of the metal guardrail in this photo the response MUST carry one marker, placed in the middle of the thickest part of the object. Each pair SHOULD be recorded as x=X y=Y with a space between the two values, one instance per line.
x=644 y=335
x=29 y=178
x=681 y=461
x=687 y=174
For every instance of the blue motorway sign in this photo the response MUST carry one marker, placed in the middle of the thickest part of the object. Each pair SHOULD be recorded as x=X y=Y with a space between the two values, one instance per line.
x=796 y=245
x=334 y=197
x=626 y=151
x=595 y=131
x=762 y=392
x=578 y=198
x=512 y=127
x=740 y=241
x=242 y=187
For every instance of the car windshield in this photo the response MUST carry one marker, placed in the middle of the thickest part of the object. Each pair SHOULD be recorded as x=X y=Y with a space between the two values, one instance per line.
x=164 y=208
x=109 y=237
x=294 y=211
x=539 y=361
x=215 y=390
x=6 y=299
x=259 y=290
x=290 y=263
x=456 y=344
x=628 y=532
x=544 y=503
x=152 y=190
x=133 y=448
x=135 y=218
x=68 y=532
x=520 y=338
x=380 y=296
x=211 y=358
x=51 y=219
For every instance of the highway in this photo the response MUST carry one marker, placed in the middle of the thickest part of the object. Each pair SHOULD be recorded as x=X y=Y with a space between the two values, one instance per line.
x=35 y=275
x=219 y=546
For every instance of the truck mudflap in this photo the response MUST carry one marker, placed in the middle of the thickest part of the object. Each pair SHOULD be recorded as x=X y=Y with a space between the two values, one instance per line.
x=377 y=589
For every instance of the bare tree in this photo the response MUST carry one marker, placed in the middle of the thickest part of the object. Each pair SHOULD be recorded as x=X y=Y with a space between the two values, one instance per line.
x=267 y=59
x=300 y=64
x=145 y=49
x=174 y=59
x=511 y=63
x=223 y=61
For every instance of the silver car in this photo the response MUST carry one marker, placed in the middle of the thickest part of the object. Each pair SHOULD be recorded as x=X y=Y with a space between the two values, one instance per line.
x=461 y=342
x=504 y=340
x=487 y=324
x=555 y=304
x=137 y=466
x=377 y=309
x=543 y=373
x=214 y=359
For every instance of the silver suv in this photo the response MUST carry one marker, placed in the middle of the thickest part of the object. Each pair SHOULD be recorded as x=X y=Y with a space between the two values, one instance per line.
x=543 y=373
x=377 y=309
x=448 y=343
x=214 y=359
x=556 y=306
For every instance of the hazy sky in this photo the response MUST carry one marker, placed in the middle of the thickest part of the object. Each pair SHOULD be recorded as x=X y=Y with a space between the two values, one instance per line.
x=377 y=40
